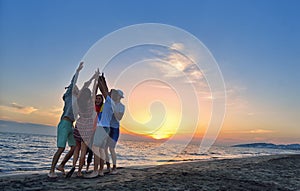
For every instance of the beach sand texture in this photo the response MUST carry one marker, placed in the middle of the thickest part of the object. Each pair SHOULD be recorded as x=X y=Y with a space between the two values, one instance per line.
x=277 y=172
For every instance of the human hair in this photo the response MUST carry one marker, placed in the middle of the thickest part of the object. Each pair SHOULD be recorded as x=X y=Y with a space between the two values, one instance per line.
x=101 y=103
x=115 y=95
x=83 y=99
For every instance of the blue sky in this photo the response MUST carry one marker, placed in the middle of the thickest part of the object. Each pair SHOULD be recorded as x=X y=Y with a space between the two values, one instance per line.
x=256 y=44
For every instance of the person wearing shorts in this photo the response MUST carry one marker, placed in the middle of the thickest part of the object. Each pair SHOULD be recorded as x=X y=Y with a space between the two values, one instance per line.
x=114 y=132
x=65 y=133
x=84 y=130
x=100 y=138
x=65 y=128
x=103 y=127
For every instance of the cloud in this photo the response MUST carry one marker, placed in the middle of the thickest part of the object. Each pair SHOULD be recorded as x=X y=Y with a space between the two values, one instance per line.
x=179 y=65
x=15 y=105
x=252 y=132
x=260 y=131
x=54 y=112
x=177 y=46
x=17 y=108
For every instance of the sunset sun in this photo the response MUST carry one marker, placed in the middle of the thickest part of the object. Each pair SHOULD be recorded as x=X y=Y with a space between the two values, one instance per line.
x=160 y=135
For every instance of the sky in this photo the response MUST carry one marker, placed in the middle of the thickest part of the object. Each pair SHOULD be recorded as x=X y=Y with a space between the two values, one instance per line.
x=255 y=43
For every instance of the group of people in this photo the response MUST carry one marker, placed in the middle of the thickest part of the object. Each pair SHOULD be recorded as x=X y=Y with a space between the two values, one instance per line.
x=96 y=130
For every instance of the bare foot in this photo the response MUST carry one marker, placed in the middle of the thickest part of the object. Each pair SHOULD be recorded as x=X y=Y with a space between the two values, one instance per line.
x=61 y=169
x=52 y=175
x=79 y=174
x=101 y=173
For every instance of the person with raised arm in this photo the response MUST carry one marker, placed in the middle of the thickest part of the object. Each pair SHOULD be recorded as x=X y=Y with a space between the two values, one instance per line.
x=103 y=126
x=84 y=129
x=98 y=108
x=114 y=131
x=65 y=126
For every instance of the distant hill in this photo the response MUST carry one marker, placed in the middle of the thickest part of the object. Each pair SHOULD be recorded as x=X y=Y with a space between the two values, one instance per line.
x=270 y=146
x=29 y=128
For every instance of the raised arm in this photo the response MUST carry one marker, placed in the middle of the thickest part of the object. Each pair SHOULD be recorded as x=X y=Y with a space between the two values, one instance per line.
x=103 y=85
x=95 y=86
x=74 y=79
x=88 y=83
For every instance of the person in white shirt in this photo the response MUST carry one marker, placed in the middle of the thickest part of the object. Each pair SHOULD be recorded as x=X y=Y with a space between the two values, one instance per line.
x=114 y=131
x=103 y=126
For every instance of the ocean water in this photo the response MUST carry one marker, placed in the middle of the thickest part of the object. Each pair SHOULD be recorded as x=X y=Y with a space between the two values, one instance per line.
x=26 y=153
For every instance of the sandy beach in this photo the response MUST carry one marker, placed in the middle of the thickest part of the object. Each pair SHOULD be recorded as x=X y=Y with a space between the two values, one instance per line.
x=277 y=172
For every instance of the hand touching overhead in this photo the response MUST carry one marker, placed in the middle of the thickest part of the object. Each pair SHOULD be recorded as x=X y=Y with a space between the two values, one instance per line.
x=96 y=75
x=80 y=66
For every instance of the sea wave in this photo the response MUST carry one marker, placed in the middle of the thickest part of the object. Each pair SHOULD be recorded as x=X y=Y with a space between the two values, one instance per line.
x=33 y=153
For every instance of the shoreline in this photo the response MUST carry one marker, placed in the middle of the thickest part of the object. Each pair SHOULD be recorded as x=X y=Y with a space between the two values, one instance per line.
x=145 y=166
x=269 y=172
x=134 y=167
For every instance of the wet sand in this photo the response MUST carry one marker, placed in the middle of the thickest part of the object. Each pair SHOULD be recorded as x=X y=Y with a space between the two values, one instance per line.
x=276 y=172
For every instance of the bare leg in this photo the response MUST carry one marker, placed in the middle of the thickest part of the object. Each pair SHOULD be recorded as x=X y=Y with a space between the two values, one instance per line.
x=96 y=162
x=76 y=153
x=89 y=159
x=114 y=157
x=106 y=154
x=75 y=158
x=95 y=172
x=102 y=157
x=96 y=157
x=82 y=157
x=65 y=160
x=55 y=159
x=107 y=158
x=68 y=156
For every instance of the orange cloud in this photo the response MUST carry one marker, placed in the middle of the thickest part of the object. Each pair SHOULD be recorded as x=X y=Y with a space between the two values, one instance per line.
x=260 y=131
x=17 y=108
